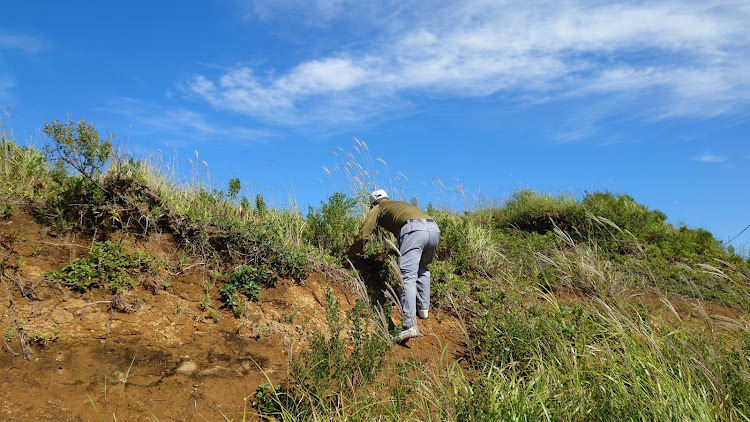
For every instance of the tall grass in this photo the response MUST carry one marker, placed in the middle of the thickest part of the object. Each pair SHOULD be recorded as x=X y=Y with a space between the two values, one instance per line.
x=23 y=169
x=602 y=361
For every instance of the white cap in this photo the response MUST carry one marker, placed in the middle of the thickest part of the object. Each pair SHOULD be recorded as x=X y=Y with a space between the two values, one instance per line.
x=378 y=194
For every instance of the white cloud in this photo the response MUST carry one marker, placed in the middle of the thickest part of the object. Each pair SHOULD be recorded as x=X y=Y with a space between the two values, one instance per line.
x=710 y=158
x=181 y=123
x=21 y=42
x=690 y=58
x=319 y=13
x=13 y=42
x=6 y=83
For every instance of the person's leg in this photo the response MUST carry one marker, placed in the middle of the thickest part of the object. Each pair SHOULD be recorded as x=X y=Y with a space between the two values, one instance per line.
x=423 y=274
x=410 y=246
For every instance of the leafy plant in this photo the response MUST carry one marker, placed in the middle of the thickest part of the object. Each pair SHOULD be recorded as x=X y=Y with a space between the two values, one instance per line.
x=454 y=241
x=332 y=364
x=291 y=263
x=270 y=400
x=246 y=280
x=333 y=225
x=260 y=204
x=41 y=339
x=5 y=210
x=107 y=263
x=234 y=188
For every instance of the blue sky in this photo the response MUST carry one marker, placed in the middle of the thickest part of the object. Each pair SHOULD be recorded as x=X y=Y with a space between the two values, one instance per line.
x=482 y=97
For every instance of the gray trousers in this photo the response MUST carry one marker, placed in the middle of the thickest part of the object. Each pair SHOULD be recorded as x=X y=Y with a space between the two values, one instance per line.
x=417 y=242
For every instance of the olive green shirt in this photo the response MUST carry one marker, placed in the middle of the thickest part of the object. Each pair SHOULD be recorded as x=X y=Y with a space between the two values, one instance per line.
x=390 y=215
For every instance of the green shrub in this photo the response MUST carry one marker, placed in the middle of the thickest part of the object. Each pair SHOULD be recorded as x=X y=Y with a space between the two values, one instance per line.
x=5 y=210
x=107 y=263
x=530 y=211
x=234 y=188
x=454 y=240
x=260 y=205
x=334 y=368
x=291 y=263
x=333 y=226
x=446 y=284
x=248 y=281
x=79 y=146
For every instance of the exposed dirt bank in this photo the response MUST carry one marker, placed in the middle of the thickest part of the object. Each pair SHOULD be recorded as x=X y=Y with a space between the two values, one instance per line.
x=69 y=356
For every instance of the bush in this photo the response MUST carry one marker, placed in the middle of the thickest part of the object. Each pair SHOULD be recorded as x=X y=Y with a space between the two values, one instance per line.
x=333 y=226
x=333 y=366
x=530 y=211
x=248 y=281
x=454 y=240
x=446 y=284
x=107 y=263
x=79 y=146
x=291 y=263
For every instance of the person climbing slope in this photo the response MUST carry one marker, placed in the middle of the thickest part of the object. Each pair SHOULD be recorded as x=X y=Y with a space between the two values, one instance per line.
x=418 y=237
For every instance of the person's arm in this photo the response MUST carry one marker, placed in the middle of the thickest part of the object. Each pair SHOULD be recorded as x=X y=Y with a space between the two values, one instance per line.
x=371 y=221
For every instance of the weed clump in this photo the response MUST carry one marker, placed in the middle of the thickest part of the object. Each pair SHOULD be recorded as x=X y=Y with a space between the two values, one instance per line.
x=246 y=280
x=333 y=226
x=107 y=264
x=291 y=263
x=335 y=367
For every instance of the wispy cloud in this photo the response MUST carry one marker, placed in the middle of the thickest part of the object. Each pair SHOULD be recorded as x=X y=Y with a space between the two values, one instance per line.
x=181 y=123
x=710 y=158
x=22 y=42
x=6 y=83
x=688 y=58
x=14 y=42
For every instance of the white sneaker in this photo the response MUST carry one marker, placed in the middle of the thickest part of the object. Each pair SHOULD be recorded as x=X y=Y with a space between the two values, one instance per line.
x=422 y=313
x=406 y=334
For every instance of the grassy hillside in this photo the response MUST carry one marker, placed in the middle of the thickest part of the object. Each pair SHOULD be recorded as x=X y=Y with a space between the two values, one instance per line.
x=589 y=308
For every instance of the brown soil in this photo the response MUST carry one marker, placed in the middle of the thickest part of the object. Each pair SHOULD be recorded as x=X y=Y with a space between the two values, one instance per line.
x=165 y=359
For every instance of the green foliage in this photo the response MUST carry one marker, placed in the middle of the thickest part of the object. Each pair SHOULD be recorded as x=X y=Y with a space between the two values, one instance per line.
x=291 y=263
x=260 y=204
x=5 y=210
x=332 y=364
x=269 y=400
x=248 y=281
x=446 y=284
x=602 y=361
x=326 y=362
x=79 y=146
x=234 y=188
x=24 y=170
x=530 y=211
x=107 y=263
x=333 y=225
x=454 y=240
x=245 y=204
x=129 y=168
x=617 y=222
x=41 y=339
